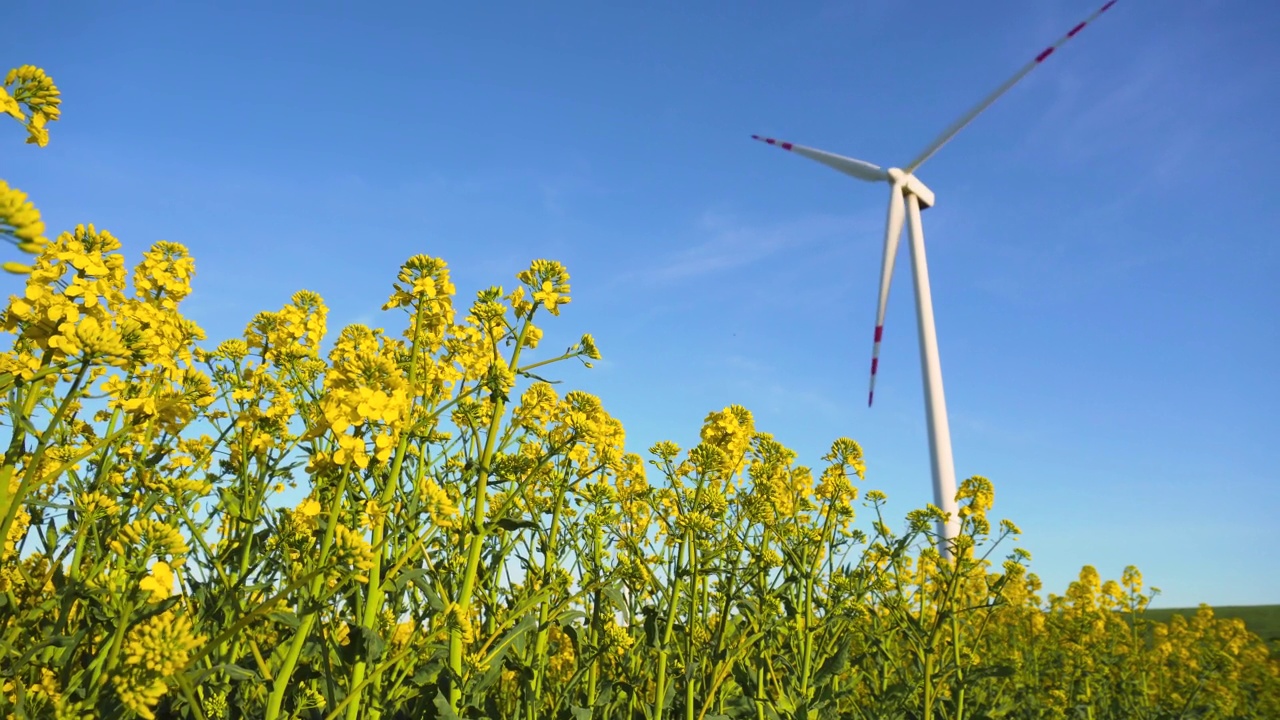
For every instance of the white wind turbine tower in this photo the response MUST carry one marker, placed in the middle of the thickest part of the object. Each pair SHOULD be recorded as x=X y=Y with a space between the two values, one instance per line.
x=908 y=196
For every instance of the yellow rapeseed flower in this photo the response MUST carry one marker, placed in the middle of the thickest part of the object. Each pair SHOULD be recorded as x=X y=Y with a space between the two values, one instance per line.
x=549 y=283
x=563 y=659
x=309 y=508
x=9 y=106
x=437 y=504
x=458 y=618
x=29 y=85
x=19 y=219
x=153 y=537
x=155 y=651
x=20 y=224
x=352 y=552
x=159 y=583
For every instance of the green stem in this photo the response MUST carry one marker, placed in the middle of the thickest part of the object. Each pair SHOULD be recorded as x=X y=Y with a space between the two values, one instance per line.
x=689 y=684
x=955 y=645
x=33 y=463
x=544 y=609
x=374 y=593
x=928 y=683
x=113 y=652
x=674 y=595
x=761 y=590
x=593 y=677
x=281 y=684
x=806 y=673
x=478 y=530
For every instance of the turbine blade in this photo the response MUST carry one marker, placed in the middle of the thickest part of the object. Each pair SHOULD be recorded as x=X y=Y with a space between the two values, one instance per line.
x=857 y=168
x=968 y=117
x=892 y=233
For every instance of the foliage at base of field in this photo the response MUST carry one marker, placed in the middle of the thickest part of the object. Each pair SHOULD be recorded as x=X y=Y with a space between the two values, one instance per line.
x=1262 y=620
x=467 y=542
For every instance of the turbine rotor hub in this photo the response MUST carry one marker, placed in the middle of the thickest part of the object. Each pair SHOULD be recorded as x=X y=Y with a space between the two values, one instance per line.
x=911 y=184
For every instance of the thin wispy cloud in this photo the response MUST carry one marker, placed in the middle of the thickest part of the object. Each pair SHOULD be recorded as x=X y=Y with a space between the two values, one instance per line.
x=760 y=380
x=729 y=242
x=1157 y=109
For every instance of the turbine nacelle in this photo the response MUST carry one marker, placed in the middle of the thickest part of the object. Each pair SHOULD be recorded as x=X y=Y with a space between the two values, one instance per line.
x=911 y=184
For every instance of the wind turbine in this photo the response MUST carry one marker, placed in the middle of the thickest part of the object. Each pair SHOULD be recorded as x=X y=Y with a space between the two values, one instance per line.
x=908 y=196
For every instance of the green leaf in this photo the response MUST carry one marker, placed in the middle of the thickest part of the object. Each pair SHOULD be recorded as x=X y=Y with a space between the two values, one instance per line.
x=989 y=671
x=285 y=618
x=605 y=693
x=433 y=598
x=832 y=666
x=528 y=374
x=527 y=623
x=237 y=673
x=404 y=577
x=427 y=674
x=364 y=644
x=490 y=676
x=510 y=524
x=614 y=596
x=746 y=679
x=234 y=673
x=444 y=710
x=650 y=627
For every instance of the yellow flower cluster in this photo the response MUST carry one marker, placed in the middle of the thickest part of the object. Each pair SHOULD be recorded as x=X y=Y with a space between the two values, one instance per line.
x=459 y=618
x=980 y=494
x=780 y=489
x=835 y=485
x=562 y=658
x=29 y=85
x=161 y=281
x=595 y=439
x=20 y=222
x=537 y=406
x=291 y=334
x=424 y=288
x=437 y=504
x=617 y=641
x=45 y=698
x=730 y=431
x=21 y=225
x=155 y=651
x=352 y=553
x=366 y=396
x=549 y=282
x=91 y=503
x=148 y=537
x=159 y=582
x=78 y=281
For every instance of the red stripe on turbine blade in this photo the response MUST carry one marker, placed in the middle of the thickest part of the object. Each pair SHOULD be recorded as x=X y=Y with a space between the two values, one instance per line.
x=870 y=397
x=879 y=332
x=785 y=145
x=1047 y=52
x=1106 y=7
x=1076 y=29
x=875 y=363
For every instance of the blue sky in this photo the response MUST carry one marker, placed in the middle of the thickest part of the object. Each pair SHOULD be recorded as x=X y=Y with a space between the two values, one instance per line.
x=1102 y=252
